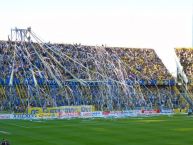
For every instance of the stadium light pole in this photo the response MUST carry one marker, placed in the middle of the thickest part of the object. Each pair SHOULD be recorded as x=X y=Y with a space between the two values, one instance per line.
x=20 y=34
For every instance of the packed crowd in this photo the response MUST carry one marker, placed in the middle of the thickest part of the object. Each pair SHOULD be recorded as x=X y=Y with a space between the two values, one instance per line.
x=30 y=74
x=186 y=59
x=146 y=96
x=79 y=61
x=143 y=63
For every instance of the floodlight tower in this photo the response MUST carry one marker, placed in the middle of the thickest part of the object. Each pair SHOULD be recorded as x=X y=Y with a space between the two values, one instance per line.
x=20 y=35
x=16 y=36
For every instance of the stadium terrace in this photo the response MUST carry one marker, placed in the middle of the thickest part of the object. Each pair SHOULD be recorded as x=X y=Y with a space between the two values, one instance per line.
x=44 y=80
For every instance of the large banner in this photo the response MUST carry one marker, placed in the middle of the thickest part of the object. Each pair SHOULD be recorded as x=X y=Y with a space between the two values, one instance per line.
x=47 y=115
x=64 y=109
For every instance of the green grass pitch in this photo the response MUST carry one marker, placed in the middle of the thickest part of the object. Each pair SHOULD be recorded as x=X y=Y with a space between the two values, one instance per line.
x=160 y=130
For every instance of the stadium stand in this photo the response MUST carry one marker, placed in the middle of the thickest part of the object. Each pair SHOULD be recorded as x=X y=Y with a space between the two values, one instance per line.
x=89 y=75
x=186 y=59
x=185 y=56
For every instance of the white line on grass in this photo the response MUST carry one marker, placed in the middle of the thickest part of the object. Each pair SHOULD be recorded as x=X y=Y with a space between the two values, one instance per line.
x=5 y=132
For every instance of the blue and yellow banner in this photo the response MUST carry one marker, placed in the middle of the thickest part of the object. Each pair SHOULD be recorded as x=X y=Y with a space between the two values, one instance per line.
x=66 y=109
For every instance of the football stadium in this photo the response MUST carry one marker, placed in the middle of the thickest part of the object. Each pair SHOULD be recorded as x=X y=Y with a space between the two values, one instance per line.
x=57 y=93
x=77 y=94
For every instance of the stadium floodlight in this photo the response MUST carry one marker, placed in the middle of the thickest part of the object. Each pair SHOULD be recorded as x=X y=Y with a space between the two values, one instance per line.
x=20 y=34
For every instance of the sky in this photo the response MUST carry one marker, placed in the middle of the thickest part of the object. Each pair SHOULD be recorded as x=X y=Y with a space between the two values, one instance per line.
x=159 y=24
